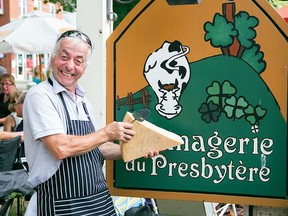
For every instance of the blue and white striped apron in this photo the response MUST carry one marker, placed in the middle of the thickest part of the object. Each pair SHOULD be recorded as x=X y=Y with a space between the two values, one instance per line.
x=78 y=187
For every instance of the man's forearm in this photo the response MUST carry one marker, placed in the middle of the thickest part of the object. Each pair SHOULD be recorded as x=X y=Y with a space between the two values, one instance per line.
x=110 y=151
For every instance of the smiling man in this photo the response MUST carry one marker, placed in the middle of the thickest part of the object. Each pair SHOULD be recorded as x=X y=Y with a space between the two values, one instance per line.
x=65 y=151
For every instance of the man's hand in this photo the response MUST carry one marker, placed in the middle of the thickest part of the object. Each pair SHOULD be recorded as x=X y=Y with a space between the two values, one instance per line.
x=121 y=131
x=151 y=154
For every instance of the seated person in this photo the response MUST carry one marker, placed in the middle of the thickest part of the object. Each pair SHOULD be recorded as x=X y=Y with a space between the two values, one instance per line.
x=7 y=85
x=12 y=121
x=5 y=135
x=19 y=112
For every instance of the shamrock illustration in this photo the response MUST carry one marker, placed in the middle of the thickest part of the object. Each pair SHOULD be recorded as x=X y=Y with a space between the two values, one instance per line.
x=219 y=93
x=210 y=112
x=234 y=107
x=254 y=114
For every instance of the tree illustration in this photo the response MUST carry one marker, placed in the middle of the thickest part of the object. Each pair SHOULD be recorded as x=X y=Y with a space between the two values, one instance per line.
x=220 y=33
x=234 y=35
x=254 y=57
x=228 y=11
x=245 y=24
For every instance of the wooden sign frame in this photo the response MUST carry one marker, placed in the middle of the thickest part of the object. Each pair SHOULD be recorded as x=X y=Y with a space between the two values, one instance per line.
x=176 y=195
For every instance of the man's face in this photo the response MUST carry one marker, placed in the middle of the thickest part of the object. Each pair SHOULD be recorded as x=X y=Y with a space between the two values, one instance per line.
x=69 y=63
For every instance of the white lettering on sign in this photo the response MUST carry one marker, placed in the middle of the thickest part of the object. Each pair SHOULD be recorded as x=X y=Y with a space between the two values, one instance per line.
x=231 y=171
x=213 y=148
x=230 y=145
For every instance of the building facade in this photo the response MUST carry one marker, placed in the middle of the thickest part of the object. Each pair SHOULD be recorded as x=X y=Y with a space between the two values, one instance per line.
x=21 y=66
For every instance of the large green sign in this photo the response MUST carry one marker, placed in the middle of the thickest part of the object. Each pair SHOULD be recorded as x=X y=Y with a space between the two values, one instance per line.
x=204 y=79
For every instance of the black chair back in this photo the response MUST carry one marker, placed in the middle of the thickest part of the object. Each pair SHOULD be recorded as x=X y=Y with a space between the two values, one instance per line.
x=8 y=153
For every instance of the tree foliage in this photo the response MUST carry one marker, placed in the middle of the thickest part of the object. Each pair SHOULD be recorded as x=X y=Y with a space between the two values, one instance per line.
x=122 y=10
x=238 y=34
x=278 y=3
x=220 y=32
x=254 y=57
x=245 y=25
x=68 y=5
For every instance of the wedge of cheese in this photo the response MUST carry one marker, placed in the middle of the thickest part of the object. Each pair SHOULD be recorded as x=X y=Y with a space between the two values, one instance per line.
x=149 y=137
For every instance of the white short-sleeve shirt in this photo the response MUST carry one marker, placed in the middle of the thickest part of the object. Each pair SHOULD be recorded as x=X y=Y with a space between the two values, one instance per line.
x=44 y=115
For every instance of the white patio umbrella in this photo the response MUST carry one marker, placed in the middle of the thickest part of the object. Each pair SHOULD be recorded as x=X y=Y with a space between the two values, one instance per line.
x=34 y=34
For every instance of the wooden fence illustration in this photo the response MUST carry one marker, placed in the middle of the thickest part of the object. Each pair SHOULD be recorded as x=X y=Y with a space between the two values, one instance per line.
x=129 y=101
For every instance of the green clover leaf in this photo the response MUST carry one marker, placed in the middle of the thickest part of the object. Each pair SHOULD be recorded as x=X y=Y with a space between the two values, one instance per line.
x=234 y=107
x=210 y=112
x=254 y=114
x=219 y=93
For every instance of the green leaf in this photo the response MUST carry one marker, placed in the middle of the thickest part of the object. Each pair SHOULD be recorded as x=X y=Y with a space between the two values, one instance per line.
x=235 y=107
x=260 y=111
x=228 y=88
x=214 y=89
x=210 y=112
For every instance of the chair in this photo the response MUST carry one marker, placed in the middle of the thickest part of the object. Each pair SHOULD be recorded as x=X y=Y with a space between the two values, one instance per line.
x=13 y=176
x=5 y=207
x=8 y=153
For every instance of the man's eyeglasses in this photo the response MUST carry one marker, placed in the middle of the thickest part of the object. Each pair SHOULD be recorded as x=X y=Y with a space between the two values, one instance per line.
x=6 y=84
x=75 y=33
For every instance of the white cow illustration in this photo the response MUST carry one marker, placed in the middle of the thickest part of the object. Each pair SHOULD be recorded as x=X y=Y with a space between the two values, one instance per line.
x=167 y=71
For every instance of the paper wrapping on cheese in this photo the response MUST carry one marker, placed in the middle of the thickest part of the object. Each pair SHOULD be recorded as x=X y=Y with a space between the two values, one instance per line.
x=149 y=137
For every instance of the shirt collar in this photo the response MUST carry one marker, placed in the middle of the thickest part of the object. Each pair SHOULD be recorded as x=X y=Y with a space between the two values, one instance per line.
x=57 y=87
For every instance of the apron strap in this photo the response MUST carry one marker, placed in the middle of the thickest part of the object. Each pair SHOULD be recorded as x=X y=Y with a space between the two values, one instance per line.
x=86 y=111
x=66 y=110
